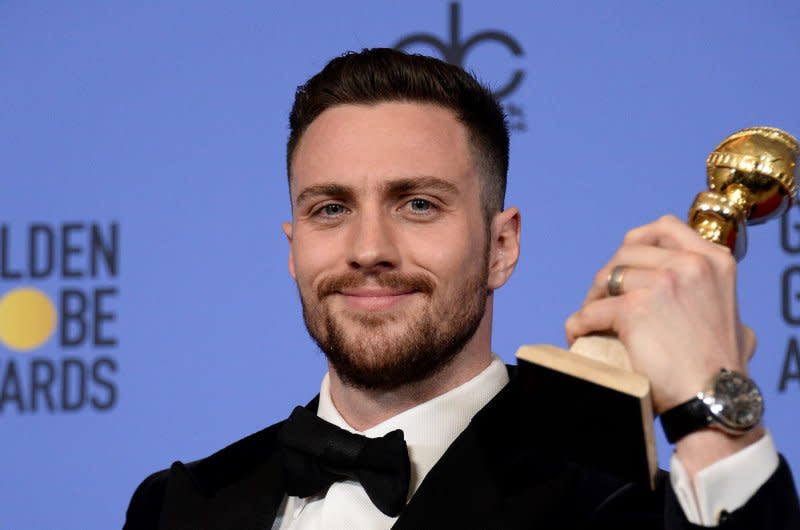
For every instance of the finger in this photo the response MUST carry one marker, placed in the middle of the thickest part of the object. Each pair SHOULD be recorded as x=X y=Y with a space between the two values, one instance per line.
x=678 y=268
x=633 y=279
x=670 y=228
x=671 y=232
x=660 y=233
x=594 y=317
x=633 y=256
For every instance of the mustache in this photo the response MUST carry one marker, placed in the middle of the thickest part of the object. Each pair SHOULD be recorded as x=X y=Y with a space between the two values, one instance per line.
x=390 y=280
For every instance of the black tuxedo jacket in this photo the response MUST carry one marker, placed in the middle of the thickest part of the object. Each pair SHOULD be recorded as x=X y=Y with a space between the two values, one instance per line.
x=499 y=473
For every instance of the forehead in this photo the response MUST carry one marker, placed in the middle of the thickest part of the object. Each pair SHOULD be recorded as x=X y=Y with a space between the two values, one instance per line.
x=362 y=144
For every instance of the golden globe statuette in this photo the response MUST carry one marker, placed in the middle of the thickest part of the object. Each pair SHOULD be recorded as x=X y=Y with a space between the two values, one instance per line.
x=591 y=403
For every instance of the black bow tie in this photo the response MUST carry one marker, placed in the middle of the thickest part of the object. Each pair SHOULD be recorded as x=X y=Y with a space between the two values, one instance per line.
x=316 y=454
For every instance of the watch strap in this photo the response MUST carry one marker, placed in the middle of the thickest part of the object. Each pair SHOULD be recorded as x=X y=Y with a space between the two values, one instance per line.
x=685 y=418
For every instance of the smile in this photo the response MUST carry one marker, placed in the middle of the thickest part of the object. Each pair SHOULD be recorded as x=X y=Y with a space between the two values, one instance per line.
x=374 y=299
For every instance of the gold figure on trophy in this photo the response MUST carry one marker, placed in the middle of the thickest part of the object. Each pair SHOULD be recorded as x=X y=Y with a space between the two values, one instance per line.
x=751 y=179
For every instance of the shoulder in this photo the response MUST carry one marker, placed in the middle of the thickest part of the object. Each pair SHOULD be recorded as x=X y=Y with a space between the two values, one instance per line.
x=145 y=505
x=209 y=474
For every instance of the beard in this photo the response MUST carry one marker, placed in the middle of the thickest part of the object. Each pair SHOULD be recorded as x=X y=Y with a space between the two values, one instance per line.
x=393 y=349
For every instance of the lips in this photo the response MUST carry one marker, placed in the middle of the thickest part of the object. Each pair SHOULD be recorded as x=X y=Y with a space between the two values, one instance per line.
x=374 y=299
x=378 y=291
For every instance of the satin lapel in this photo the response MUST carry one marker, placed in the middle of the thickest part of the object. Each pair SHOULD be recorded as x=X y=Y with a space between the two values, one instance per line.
x=250 y=502
x=492 y=476
x=457 y=493
x=462 y=488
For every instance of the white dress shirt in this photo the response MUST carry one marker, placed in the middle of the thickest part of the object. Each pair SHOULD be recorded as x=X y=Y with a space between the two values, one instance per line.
x=429 y=428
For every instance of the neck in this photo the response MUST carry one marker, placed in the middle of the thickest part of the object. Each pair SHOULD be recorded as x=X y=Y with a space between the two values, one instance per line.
x=362 y=408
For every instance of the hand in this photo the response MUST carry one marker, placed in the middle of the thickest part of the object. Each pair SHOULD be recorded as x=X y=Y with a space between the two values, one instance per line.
x=677 y=314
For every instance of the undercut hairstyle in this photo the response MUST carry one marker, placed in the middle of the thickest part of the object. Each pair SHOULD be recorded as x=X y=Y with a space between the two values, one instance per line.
x=381 y=75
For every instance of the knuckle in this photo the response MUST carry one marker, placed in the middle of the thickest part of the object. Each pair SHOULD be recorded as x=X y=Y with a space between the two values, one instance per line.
x=670 y=223
x=622 y=255
x=631 y=236
x=669 y=219
x=667 y=280
x=695 y=267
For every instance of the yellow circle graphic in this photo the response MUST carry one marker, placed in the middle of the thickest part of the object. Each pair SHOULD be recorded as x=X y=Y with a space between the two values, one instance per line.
x=27 y=319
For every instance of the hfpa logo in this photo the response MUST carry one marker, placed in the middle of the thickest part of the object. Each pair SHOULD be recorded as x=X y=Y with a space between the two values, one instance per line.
x=456 y=50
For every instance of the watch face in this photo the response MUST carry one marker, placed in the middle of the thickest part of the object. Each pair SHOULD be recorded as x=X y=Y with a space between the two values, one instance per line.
x=735 y=401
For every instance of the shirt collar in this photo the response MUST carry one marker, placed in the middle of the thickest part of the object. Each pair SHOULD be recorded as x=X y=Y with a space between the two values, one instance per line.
x=430 y=427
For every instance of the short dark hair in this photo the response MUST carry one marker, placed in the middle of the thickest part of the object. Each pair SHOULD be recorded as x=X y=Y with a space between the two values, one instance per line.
x=382 y=74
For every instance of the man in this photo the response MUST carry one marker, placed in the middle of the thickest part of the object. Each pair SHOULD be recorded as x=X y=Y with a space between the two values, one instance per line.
x=397 y=168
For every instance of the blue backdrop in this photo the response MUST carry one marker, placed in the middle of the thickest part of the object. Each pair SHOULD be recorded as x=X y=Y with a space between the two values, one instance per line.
x=142 y=188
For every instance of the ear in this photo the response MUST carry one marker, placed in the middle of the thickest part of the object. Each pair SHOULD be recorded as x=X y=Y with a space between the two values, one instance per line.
x=287 y=230
x=504 y=246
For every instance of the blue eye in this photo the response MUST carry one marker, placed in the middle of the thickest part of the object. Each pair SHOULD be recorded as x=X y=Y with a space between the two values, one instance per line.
x=420 y=205
x=333 y=209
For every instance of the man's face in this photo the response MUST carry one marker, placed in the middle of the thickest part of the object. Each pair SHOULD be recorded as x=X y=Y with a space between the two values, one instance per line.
x=388 y=240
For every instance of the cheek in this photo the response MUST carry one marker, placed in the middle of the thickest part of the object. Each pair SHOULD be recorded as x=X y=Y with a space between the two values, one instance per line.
x=446 y=253
x=313 y=255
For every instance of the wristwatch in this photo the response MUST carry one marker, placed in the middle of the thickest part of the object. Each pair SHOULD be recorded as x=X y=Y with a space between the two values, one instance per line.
x=731 y=403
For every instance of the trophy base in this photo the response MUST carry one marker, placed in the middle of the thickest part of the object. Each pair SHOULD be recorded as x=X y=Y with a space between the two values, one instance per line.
x=599 y=415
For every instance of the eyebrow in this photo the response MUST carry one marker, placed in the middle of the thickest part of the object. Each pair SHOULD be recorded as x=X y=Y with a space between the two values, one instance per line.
x=412 y=184
x=324 y=190
x=397 y=186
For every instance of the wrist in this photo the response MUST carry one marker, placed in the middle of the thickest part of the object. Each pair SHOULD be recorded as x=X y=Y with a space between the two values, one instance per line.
x=730 y=402
x=702 y=448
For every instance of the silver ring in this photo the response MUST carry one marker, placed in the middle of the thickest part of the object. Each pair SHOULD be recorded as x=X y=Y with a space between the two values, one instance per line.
x=614 y=285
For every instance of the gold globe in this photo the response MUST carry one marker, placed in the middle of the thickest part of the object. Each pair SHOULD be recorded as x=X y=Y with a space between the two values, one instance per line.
x=752 y=177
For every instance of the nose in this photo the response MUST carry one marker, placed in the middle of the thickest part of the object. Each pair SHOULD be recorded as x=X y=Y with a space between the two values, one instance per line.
x=373 y=244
